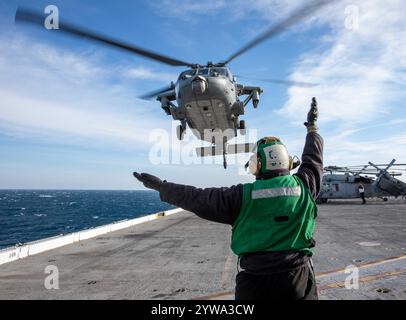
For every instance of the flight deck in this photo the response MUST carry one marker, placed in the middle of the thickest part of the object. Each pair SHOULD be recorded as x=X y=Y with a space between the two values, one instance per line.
x=184 y=257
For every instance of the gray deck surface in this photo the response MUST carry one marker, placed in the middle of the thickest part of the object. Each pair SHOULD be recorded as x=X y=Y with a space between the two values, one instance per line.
x=184 y=257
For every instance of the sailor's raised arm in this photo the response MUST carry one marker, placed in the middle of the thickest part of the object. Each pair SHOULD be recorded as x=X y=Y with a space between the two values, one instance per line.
x=216 y=204
x=311 y=169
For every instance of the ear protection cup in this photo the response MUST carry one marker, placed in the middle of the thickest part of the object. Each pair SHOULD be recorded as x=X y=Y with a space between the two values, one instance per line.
x=275 y=156
x=252 y=165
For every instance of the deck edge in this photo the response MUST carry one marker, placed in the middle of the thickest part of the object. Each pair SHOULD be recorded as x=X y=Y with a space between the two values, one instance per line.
x=11 y=254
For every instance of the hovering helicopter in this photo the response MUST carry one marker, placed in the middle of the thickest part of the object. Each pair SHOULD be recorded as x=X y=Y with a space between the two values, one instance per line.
x=207 y=96
x=377 y=180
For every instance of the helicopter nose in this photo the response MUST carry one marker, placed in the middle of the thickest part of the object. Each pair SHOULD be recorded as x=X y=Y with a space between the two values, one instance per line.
x=199 y=85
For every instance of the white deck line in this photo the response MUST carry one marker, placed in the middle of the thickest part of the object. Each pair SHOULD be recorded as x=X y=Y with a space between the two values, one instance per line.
x=15 y=253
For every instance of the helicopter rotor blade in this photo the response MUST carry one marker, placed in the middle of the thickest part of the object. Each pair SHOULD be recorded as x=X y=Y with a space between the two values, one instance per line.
x=380 y=165
x=298 y=15
x=283 y=82
x=155 y=93
x=28 y=16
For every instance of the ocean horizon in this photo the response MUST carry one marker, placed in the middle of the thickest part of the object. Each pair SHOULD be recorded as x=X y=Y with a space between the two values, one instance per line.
x=33 y=214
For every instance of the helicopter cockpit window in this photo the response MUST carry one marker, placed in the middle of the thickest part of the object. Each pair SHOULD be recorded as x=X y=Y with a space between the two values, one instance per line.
x=187 y=74
x=215 y=72
x=203 y=72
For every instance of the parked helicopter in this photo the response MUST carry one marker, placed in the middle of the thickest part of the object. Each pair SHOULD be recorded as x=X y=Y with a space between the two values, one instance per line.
x=377 y=180
x=207 y=96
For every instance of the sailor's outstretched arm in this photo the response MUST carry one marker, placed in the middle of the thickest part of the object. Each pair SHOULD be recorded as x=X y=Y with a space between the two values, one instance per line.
x=311 y=169
x=216 y=204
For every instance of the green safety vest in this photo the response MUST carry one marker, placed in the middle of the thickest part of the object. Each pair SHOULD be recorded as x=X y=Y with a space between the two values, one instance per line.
x=277 y=214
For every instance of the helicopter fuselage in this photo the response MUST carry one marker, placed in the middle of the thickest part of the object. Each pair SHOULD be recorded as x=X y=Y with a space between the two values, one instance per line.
x=208 y=102
x=343 y=183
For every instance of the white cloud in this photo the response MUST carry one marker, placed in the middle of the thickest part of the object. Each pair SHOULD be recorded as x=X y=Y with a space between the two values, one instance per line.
x=26 y=57
x=229 y=10
x=359 y=72
x=347 y=152
x=141 y=72
x=186 y=9
x=356 y=68
x=49 y=121
x=49 y=94
x=268 y=11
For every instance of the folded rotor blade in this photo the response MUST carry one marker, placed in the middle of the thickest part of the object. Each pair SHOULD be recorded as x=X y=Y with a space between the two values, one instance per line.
x=377 y=165
x=36 y=18
x=298 y=15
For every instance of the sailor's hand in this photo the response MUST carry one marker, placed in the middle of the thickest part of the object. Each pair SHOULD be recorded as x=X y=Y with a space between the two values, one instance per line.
x=311 y=123
x=149 y=181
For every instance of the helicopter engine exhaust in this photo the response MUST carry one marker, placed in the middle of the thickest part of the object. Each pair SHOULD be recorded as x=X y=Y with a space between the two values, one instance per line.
x=199 y=85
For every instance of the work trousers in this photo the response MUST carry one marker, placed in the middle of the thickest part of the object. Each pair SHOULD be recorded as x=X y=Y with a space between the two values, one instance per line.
x=296 y=284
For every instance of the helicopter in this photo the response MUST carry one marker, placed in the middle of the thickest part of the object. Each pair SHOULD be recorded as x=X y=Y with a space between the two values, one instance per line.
x=377 y=180
x=207 y=96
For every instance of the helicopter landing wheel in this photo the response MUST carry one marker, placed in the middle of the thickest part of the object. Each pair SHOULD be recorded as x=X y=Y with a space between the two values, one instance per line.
x=242 y=127
x=224 y=152
x=180 y=132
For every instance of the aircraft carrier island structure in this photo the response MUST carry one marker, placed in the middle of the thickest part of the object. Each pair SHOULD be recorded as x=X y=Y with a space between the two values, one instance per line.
x=360 y=254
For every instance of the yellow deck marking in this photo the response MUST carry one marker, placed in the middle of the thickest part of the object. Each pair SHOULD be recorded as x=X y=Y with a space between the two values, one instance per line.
x=362 y=280
x=363 y=266
x=338 y=284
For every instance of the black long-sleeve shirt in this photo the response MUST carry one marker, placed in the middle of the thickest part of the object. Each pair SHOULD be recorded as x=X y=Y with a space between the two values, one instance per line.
x=224 y=205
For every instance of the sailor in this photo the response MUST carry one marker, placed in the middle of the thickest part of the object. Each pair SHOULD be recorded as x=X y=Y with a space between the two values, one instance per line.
x=272 y=219
x=361 y=191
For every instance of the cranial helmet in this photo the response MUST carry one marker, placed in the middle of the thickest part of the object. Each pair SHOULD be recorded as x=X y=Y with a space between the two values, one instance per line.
x=273 y=155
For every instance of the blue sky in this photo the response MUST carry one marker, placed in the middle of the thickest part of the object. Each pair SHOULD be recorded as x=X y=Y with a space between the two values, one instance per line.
x=70 y=116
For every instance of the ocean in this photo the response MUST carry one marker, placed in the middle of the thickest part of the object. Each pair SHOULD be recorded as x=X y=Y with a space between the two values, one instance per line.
x=29 y=215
